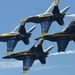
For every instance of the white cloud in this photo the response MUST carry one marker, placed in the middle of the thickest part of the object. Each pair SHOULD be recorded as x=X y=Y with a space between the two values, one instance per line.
x=10 y=64
x=51 y=67
x=14 y=64
x=46 y=67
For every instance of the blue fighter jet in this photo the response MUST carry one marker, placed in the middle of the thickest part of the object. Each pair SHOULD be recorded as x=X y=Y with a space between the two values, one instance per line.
x=28 y=57
x=52 y=14
x=19 y=33
x=62 y=38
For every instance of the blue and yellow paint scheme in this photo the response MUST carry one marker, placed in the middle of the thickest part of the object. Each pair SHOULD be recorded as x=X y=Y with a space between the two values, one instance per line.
x=52 y=14
x=19 y=33
x=28 y=57
x=62 y=38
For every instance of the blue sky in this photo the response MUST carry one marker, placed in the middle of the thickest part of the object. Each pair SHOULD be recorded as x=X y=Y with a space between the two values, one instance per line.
x=11 y=12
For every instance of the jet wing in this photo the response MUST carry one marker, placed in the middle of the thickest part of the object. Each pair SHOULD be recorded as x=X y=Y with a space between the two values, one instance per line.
x=27 y=63
x=52 y=7
x=62 y=44
x=11 y=45
x=45 y=27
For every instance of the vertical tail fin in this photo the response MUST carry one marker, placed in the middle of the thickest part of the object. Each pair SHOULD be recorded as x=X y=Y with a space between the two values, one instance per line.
x=37 y=46
x=64 y=10
x=20 y=28
x=70 y=28
x=31 y=29
x=23 y=32
x=49 y=48
x=50 y=9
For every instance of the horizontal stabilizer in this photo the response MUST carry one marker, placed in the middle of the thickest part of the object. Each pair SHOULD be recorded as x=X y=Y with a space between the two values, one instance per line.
x=49 y=48
x=31 y=29
x=26 y=41
x=60 y=21
x=42 y=60
x=64 y=10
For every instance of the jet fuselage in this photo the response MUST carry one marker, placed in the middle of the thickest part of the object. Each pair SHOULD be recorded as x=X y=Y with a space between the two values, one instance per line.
x=12 y=36
x=23 y=55
x=42 y=18
x=54 y=37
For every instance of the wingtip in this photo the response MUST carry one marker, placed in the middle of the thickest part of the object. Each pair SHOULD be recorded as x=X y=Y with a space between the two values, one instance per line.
x=56 y=0
x=31 y=29
x=52 y=46
x=9 y=53
x=24 y=71
x=44 y=33
x=34 y=26
x=68 y=6
x=23 y=20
